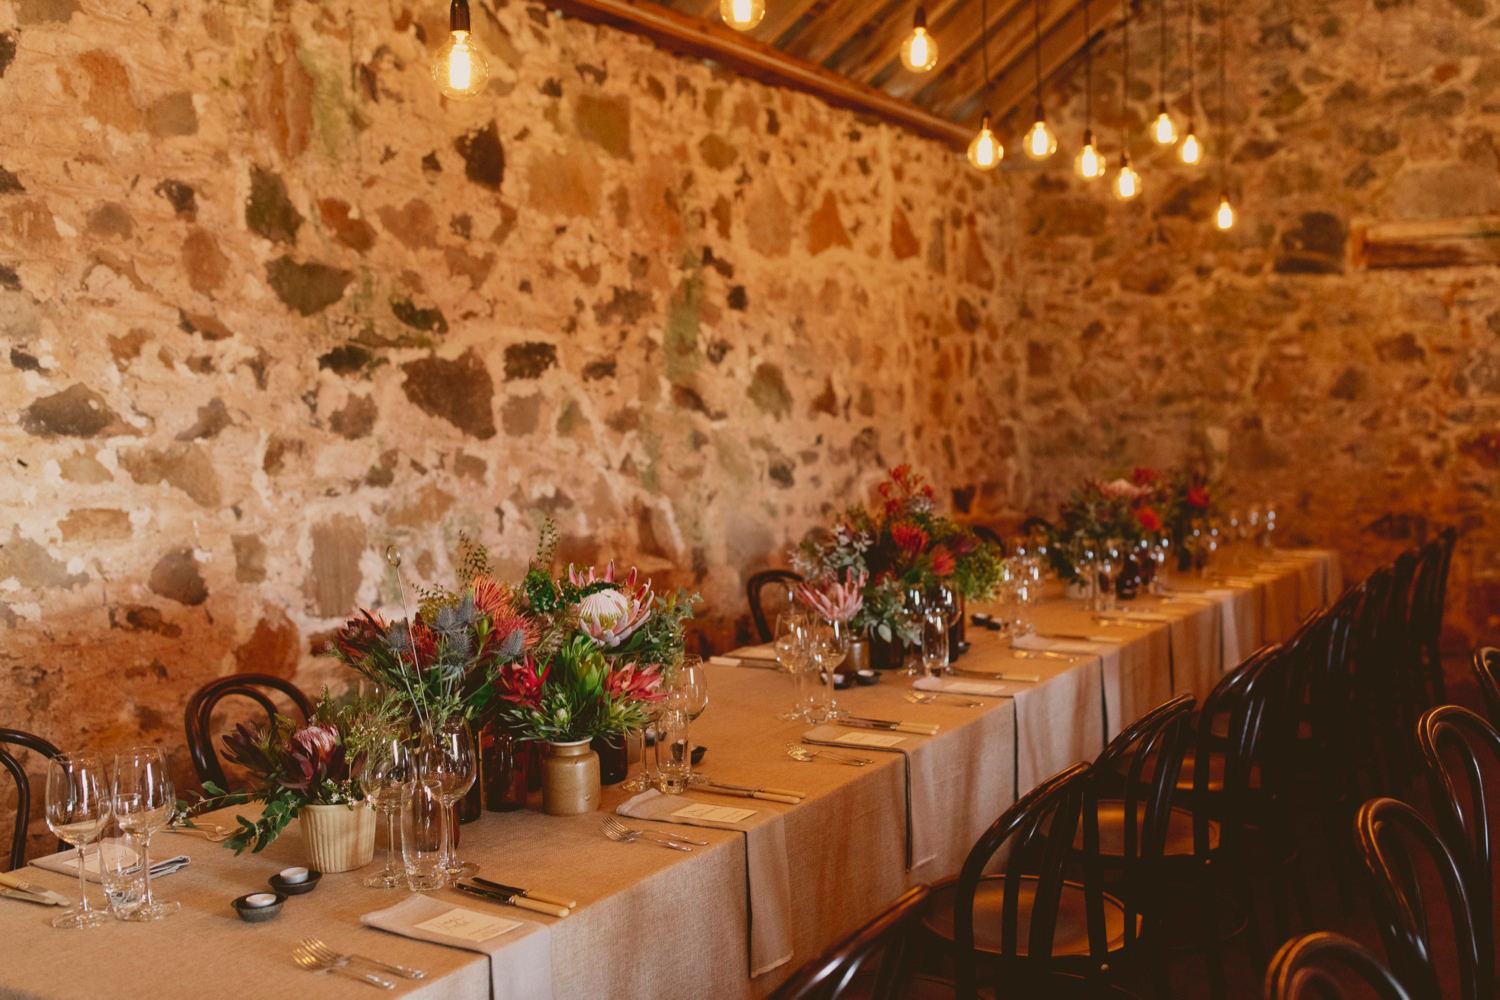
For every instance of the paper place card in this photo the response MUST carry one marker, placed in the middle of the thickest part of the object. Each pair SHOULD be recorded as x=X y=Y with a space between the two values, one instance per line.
x=467 y=925
x=871 y=739
x=715 y=814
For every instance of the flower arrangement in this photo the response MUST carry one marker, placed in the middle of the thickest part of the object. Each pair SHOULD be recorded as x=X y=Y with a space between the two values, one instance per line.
x=293 y=766
x=904 y=544
x=837 y=601
x=603 y=649
x=440 y=662
x=1148 y=505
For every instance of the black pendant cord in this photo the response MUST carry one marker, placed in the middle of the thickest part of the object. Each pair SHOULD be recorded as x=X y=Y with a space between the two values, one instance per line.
x=984 y=50
x=1192 y=63
x=1223 y=98
x=1125 y=92
x=458 y=16
x=1036 y=26
x=1088 y=71
x=1161 y=60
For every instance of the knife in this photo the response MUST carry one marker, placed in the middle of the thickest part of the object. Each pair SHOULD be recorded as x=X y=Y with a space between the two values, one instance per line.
x=540 y=897
x=919 y=728
x=30 y=889
x=744 y=661
x=27 y=897
x=767 y=794
x=1076 y=637
x=513 y=900
x=992 y=676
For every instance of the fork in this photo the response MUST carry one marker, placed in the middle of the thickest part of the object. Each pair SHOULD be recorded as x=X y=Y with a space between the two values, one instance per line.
x=307 y=960
x=613 y=821
x=212 y=832
x=796 y=751
x=620 y=833
x=319 y=950
x=927 y=698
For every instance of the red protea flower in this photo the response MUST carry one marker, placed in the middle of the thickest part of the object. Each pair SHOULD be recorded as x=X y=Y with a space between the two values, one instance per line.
x=943 y=563
x=493 y=598
x=358 y=636
x=964 y=543
x=1142 y=476
x=1197 y=496
x=521 y=683
x=512 y=633
x=635 y=682
x=1148 y=519
x=909 y=538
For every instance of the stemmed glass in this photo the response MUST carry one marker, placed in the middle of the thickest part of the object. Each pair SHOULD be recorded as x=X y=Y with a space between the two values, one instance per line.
x=77 y=811
x=915 y=605
x=1161 y=551
x=449 y=760
x=387 y=780
x=829 y=643
x=642 y=781
x=143 y=800
x=792 y=653
x=1108 y=567
x=688 y=687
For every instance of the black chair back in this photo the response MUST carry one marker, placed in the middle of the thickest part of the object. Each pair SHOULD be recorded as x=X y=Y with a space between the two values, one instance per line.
x=198 y=717
x=884 y=939
x=1427 y=614
x=1393 y=839
x=757 y=583
x=1487 y=673
x=989 y=536
x=1313 y=966
x=1462 y=752
x=27 y=741
x=1040 y=827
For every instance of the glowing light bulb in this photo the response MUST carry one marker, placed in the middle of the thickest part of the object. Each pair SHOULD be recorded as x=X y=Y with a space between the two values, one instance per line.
x=1224 y=217
x=1040 y=142
x=742 y=15
x=1089 y=163
x=1127 y=181
x=1163 y=130
x=460 y=70
x=1191 y=150
x=985 y=152
x=919 y=51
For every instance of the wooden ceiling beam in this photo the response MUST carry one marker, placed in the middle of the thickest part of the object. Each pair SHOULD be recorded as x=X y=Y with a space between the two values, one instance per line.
x=840 y=21
x=882 y=46
x=1009 y=32
x=679 y=32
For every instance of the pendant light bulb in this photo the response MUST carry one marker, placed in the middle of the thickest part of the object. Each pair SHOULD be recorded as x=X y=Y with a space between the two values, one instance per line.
x=1040 y=142
x=985 y=152
x=1191 y=150
x=1089 y=163
x=1127 y=181
x=1224 y=217
x=919 y=51
x=460 y=70
x=742 y=15
x=1163 y=130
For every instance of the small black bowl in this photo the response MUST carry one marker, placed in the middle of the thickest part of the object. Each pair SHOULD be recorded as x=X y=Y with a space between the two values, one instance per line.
x=295 y=888
x=842 y=682
x=698 y=753
x=257 y=914
x=866 y=677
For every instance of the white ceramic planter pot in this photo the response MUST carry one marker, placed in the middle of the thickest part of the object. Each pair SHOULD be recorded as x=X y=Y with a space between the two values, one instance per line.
x=338 y=838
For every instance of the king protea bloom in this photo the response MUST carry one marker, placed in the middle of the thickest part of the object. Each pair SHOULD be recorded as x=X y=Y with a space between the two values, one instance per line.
x=611 y=615
x=838 y=602
x=313 y=756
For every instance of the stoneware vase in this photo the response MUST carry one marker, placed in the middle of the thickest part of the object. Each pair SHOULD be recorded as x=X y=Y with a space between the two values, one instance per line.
x=338 y=838
x=859 y=654
x=570 y=779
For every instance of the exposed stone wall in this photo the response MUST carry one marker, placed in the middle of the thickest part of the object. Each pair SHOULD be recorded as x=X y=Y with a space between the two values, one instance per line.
x=270 y=305
x=1363 y=403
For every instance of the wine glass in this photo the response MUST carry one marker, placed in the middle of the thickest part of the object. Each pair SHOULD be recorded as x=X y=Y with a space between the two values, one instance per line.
x=829 y=644
x=689 y=686
x=915 y=604
x=641 y=781
x=77 y=811
x=386 y=780
x=792 y=654
x=450 y=761
x=143 y=803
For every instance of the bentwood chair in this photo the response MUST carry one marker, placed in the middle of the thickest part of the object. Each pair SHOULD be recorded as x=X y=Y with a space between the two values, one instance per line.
x=883 y=941
x=1462 y=753
x=1427 y=613
x=1036 y=931
x=26 y=741
x=198 y=717
x=989 y=536
x=1398 y=848
x=759 y=582
x=1487 y=673
x=1314 y=966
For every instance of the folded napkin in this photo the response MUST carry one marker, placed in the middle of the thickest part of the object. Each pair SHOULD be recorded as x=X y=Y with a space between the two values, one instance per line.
x=520 y=955
x=924 y=814
x=768 y=882
x=955 y=685
x=765 y=651
x=66 y=862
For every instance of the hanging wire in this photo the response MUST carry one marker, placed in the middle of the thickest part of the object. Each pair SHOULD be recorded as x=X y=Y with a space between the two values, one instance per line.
x=1088 y=69
x=984 y=39
x=1192 y=60
x=1223 y=91
x=1125 y=85
x=1161 y=57
x=1036 y=26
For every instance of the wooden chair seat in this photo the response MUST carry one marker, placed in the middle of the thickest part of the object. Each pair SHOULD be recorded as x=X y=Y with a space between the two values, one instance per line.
x=1070 y=939
x=1179 y=841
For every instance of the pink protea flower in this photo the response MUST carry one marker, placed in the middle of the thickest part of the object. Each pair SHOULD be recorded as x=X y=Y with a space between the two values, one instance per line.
x=635 y=682
x=1123 y=488
x=609 y=616
x=838 y=602
x=313 y=756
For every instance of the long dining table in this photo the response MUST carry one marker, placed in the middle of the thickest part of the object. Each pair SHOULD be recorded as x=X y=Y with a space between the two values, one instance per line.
x=733 y=918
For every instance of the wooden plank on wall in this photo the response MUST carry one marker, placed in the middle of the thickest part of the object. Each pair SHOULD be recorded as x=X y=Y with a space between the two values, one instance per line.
x=1414 y=243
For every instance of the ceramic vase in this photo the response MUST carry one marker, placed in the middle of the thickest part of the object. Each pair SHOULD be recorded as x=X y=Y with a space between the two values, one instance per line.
x=570 y=779
x=338 y=838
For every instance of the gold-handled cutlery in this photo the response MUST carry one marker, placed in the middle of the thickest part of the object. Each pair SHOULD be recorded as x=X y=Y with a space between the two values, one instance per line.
x=32 y=893
x=312 y=963
x=511 y=899
x=318 y=949
x=620 y=833
x=541 y=897
x=1043 y=654
x=807 y=755
x=931 y=697
x=891 y=725
x=785 y=795
x=996 y=675
x=612 y=821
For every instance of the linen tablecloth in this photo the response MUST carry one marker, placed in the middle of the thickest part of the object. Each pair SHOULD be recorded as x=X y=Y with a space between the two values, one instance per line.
x=520 y=958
